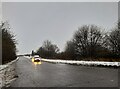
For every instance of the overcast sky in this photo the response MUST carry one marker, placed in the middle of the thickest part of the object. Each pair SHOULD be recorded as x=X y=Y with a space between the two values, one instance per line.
x=35 y=22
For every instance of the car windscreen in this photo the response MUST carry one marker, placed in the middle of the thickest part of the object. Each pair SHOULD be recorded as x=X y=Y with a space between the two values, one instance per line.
x=36 y=57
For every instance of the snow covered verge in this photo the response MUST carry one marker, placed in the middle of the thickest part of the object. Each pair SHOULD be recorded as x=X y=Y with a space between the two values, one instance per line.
x=7 y=73
x=86 y=63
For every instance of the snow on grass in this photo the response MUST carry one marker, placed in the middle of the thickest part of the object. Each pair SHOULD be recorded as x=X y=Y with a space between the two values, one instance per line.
x=2 y=67
x=6 y=65
x=7 y=73
x=89 y=63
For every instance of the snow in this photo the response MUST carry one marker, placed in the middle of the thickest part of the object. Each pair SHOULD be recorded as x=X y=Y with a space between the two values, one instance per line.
x=2 y=67
x=7 y=73
x=89 y=63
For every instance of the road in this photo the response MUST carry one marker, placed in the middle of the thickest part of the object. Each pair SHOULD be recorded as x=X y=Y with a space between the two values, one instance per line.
x=63 y=75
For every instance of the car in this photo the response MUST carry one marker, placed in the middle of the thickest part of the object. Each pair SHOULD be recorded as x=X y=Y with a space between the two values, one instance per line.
x=36 y=59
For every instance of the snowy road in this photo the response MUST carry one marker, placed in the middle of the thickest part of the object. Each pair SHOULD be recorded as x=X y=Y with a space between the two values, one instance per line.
x=63 y=75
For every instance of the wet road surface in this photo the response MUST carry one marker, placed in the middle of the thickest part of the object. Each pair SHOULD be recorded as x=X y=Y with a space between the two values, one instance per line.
x=63 y=75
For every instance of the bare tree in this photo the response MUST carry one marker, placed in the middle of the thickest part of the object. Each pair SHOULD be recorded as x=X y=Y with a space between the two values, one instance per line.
x=88 y=39
x=114 y=41
x=48 y=50
x=48 y=46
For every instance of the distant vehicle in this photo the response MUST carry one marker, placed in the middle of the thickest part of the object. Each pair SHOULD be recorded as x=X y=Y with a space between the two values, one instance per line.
x=36 y=59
